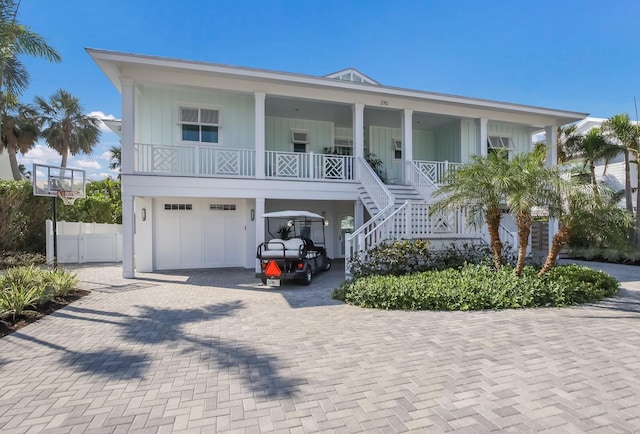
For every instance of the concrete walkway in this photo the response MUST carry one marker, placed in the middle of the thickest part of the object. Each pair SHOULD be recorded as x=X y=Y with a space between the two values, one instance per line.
x=214 y=351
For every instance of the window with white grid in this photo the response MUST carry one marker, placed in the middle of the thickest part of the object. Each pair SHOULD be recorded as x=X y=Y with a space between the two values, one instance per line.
x=199 y=125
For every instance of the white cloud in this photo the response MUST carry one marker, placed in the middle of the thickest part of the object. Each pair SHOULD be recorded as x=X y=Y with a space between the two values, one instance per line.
x=87 y=164
x=539 y=137
x=105 y=156
x=100 y=115
x=40 y=155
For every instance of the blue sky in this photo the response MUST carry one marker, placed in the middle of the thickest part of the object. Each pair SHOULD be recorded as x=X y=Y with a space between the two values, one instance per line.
x=575 y=55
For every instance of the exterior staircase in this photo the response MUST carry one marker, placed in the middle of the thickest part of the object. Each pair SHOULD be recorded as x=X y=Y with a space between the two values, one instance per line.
x=404 y=212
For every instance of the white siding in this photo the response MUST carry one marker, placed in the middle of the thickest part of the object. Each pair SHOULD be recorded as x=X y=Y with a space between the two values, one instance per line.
x=157 y=115
x=424 y=145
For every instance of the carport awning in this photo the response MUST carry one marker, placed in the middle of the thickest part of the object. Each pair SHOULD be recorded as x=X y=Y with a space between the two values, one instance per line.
x=290 y=214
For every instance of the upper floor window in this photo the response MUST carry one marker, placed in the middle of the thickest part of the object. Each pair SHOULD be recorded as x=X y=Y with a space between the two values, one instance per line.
x=199 y=125
x=498 y=144
x=343 y=146
x=300 y=139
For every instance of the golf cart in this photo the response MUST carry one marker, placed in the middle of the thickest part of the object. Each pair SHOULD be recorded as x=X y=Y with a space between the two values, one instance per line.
x=292 y=253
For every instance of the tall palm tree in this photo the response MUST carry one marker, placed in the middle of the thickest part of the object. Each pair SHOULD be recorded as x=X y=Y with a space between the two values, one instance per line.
x=566 y=142
x=19 y=132
x=478 y=187
x=525 y=187
x=592 y=147
x=17 y=39
x=66 y=128
x=621 y=131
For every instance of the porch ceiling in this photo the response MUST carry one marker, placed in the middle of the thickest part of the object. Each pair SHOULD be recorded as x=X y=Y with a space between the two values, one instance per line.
x=341 y=114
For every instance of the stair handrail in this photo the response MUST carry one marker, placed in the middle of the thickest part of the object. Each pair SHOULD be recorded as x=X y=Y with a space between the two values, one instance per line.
x=362 y=238
x=376 y=189
x=383 y=199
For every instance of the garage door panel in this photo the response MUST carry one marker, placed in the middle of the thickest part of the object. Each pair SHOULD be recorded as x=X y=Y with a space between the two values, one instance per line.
x=191 y=242
x=214 y=241
x=167 y=242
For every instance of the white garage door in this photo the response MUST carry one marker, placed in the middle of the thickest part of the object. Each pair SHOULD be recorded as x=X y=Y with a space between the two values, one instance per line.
x=199 y=233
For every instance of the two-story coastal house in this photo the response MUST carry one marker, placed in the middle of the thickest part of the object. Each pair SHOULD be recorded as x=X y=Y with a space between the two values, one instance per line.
x=208 y=148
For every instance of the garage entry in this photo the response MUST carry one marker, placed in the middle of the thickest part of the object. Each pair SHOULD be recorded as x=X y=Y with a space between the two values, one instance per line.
x=199 y=233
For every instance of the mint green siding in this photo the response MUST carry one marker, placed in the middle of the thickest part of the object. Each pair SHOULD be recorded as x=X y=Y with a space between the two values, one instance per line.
x=520 y=134
x=448 y=139
x=468 y=140
x=424 y=145
x=157 y=116
x=278 y=134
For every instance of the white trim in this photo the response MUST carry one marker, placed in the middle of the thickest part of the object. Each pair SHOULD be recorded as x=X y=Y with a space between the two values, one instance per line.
x=111 y=63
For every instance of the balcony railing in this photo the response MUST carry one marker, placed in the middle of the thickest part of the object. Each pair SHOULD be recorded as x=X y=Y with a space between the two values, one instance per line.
x=308 y=166
x=194 y=160
x=435 y=171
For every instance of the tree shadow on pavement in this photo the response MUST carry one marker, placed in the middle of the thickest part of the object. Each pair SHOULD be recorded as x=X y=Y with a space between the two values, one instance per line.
x=110 y=363
x=189 y=331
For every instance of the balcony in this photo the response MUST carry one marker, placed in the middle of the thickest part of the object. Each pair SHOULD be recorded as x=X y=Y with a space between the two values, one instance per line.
x=207 y=161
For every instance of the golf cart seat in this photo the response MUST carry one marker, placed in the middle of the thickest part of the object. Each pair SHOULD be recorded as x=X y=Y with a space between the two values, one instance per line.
x=278 y=248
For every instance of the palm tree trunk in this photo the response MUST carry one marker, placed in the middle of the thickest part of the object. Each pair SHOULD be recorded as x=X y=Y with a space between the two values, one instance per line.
x=592 y=169
x=523 y=220
x=493 y=223
x=65 y=156
x=560 y=239
x=13 y=162
x=627 y=182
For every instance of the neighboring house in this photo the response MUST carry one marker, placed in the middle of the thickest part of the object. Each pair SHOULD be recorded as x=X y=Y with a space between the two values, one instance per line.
x=613 y=174
x=5 y=166
x=208 y=148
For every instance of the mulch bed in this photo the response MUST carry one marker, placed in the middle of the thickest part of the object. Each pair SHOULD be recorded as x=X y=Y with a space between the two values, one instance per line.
x=8 y=326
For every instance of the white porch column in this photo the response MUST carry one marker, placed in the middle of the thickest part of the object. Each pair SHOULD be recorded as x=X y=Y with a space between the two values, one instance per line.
x=481 y=137
x=259 y=226
x=551 y=136
x=260 y=133
x=358 y=134
x=128 y=125
x=127 y=236
x=407 y=140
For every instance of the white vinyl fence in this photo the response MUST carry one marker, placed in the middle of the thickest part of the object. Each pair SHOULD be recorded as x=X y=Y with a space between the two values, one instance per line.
x=85 y=242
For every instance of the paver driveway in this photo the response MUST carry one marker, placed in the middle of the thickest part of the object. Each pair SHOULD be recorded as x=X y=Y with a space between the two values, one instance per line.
x=213 y=351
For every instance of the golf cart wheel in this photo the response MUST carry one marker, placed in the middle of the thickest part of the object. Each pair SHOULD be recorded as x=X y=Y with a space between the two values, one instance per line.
x=264 y=281
x=308 y=276
x=327 y=265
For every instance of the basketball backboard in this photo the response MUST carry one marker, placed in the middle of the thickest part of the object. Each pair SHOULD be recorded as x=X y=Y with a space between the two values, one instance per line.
x=49 y=180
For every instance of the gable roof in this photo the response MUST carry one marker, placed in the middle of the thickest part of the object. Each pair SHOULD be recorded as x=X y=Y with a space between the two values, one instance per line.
x=352 y=74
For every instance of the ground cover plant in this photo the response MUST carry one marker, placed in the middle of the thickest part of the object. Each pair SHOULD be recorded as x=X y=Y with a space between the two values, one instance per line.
x=408 y=275
x=27 y=293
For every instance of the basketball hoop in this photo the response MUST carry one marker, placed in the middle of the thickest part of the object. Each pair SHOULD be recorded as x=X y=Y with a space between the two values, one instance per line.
x=68 y=196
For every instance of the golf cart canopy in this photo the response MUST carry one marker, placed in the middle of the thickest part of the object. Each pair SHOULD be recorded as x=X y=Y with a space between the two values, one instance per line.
x=289 y=214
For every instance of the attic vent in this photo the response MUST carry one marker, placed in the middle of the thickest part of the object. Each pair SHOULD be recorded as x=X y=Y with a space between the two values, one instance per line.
x=299 y=137
x=178 y=206
x=222 y=207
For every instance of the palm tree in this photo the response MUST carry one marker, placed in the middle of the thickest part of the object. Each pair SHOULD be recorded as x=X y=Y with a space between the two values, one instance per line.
x=566 y=142
x=525 y=186
x=19 y=133
x=66 y=129
x=17 y=39
x=478 y=187
x=592 y=147
x=621 y=131
x=116 y=158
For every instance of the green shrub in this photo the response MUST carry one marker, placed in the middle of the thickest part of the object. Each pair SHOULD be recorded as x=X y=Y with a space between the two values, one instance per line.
x=60 y=282
x=476 y=287
x=29 y=286
x=410 y=256
x=23 y=217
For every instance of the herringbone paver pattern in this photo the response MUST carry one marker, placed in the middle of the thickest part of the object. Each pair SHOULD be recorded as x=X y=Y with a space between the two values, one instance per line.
x=212 y=351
